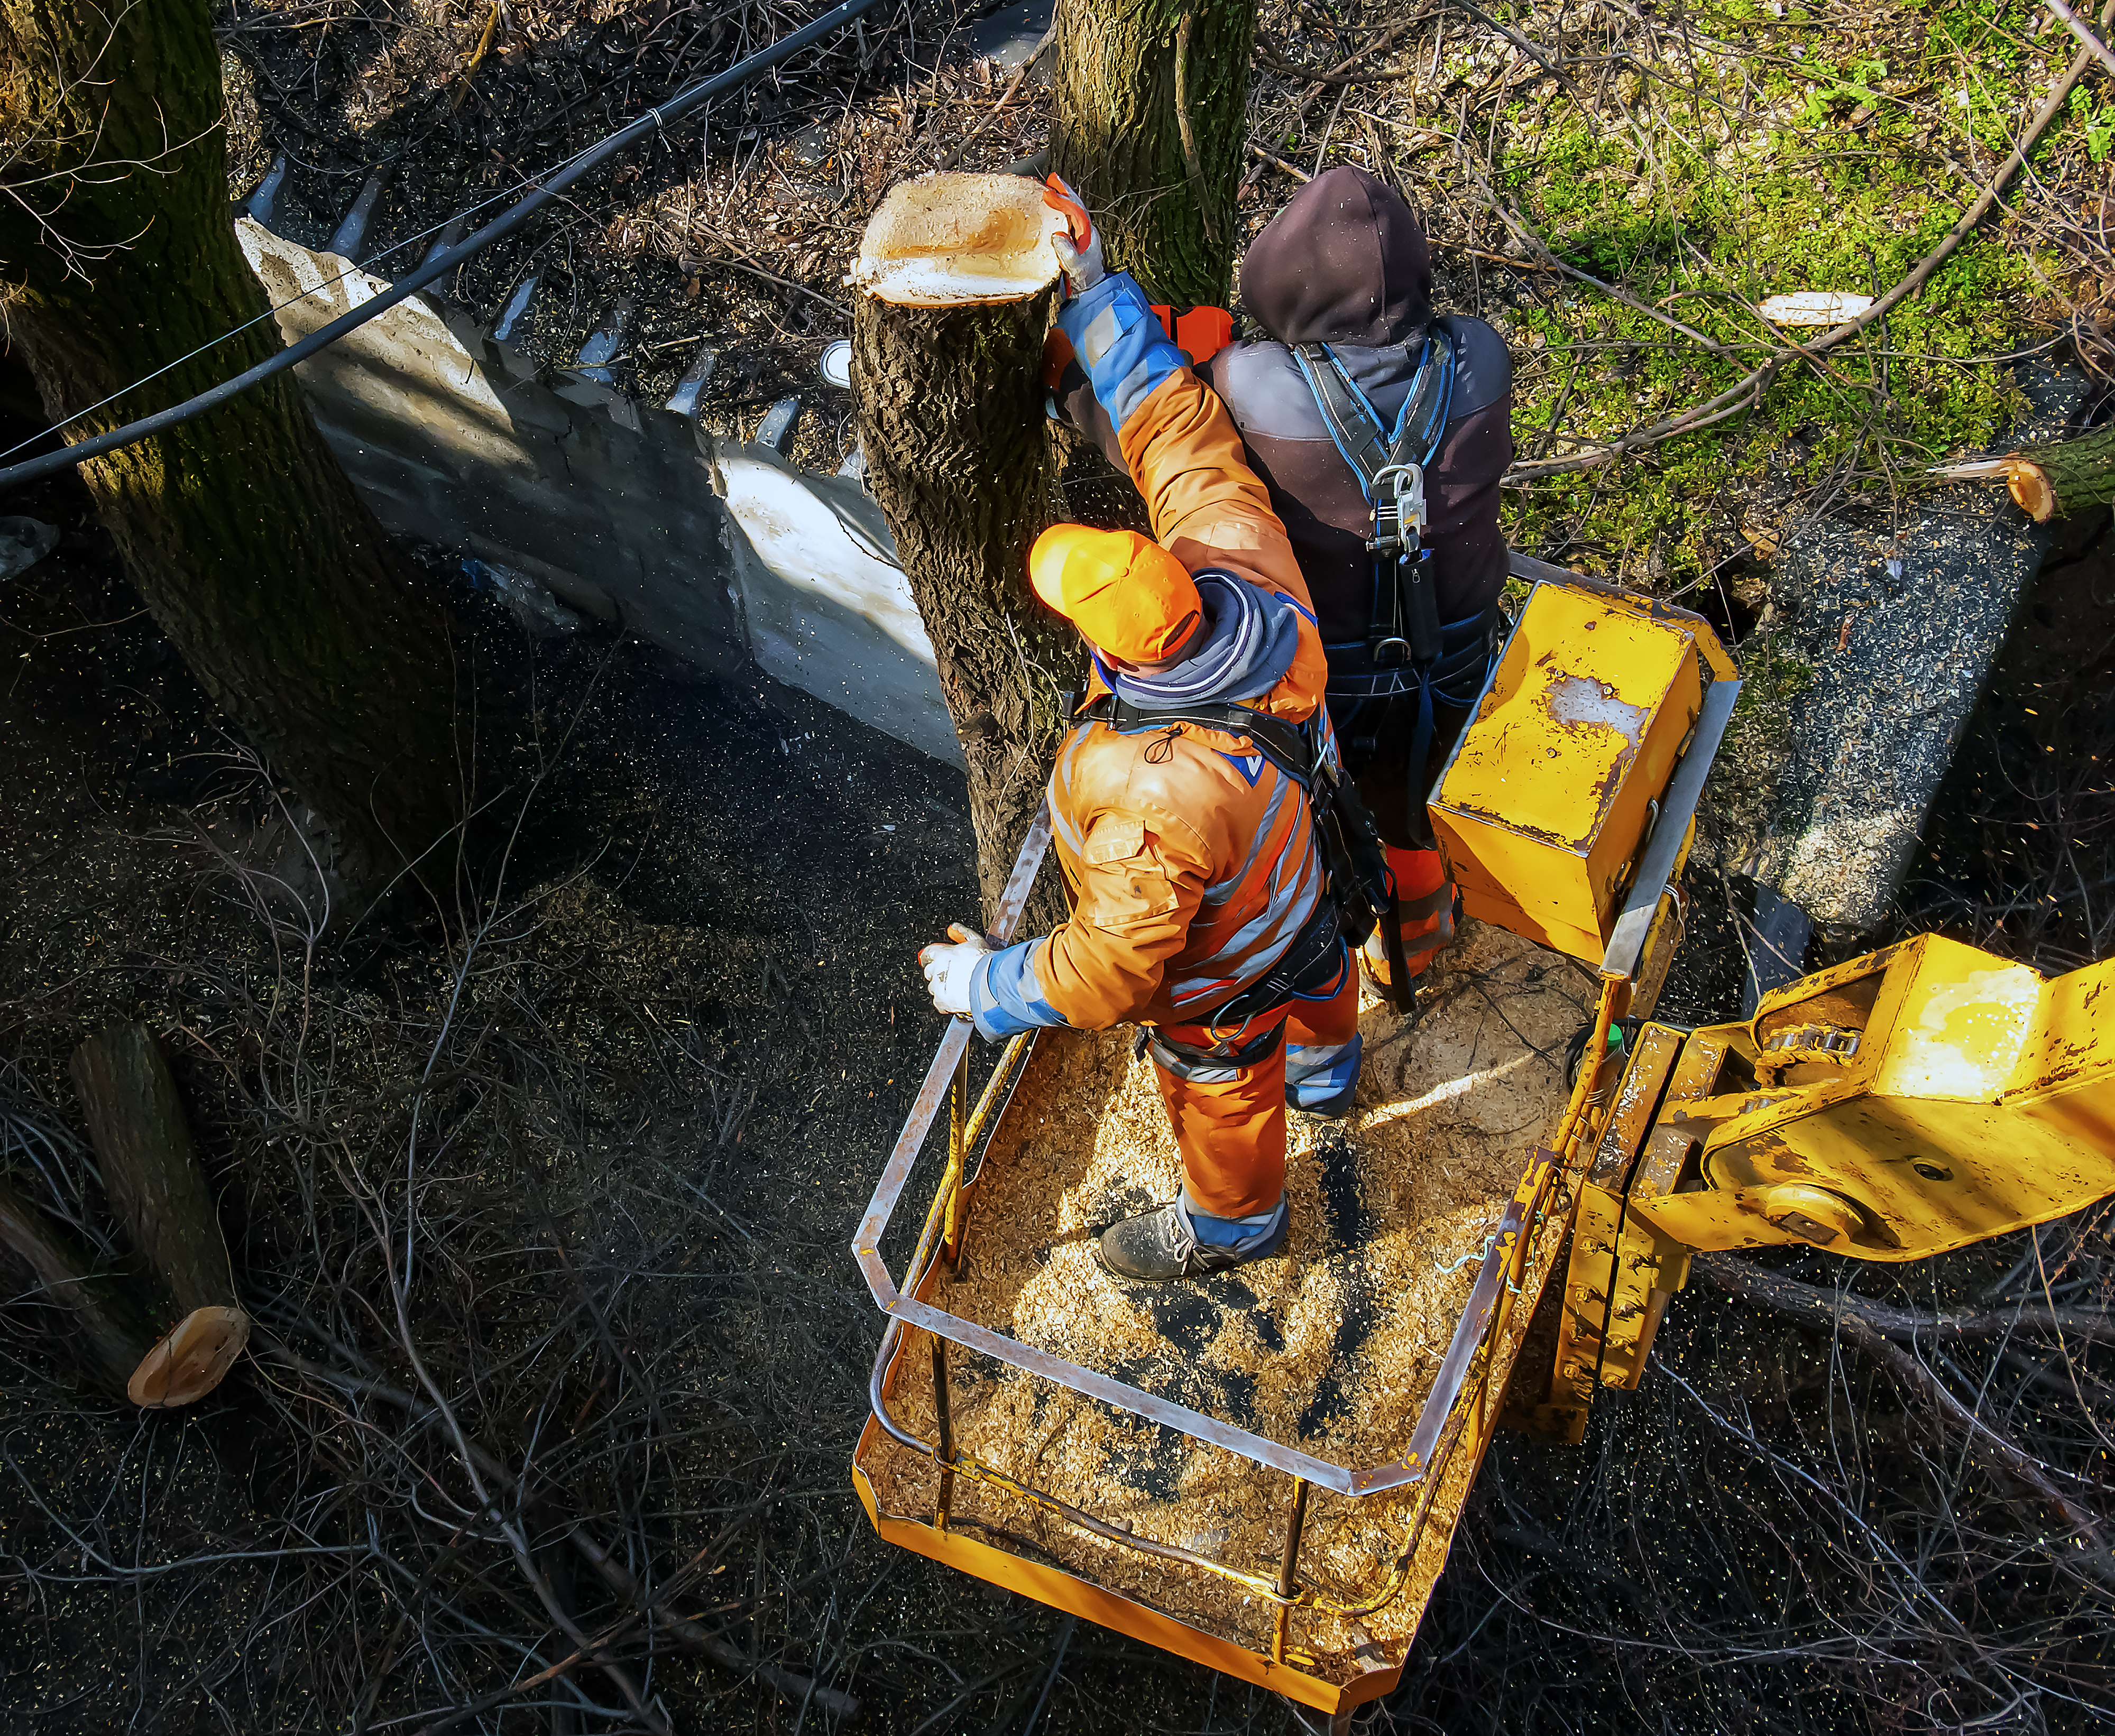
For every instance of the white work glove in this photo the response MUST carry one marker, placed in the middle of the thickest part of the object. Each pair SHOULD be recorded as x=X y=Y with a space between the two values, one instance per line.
x=948 y=968
x=1079 y=249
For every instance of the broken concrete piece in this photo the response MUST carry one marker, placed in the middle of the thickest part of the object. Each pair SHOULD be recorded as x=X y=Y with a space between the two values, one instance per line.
x=563 y=495
x=825 y=606
x=23 y=543
x=538 y=612
x=1899 y=634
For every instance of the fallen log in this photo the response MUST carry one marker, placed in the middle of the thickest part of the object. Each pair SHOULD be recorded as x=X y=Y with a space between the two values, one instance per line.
x=2049 y=481
x=1822 y=1308
x=159 y=1190
x=105 y=1328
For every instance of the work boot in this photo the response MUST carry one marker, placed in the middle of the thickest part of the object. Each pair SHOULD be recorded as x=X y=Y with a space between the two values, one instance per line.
x=1160 y=1245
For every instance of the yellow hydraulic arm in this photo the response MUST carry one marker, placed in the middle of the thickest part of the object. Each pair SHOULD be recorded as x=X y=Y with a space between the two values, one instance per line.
x=1910 y=1101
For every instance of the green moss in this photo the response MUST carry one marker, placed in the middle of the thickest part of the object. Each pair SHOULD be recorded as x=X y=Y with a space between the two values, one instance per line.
x=1804 y=161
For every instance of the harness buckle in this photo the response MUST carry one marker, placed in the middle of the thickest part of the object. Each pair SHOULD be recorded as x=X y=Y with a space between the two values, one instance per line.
x=1399 y=515
x=1391 y=652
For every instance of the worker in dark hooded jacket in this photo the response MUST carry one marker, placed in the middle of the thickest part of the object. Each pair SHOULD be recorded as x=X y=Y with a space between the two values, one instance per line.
x=1342 y=280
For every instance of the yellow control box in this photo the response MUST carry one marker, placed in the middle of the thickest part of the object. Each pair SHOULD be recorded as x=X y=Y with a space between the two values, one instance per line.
x=1552 y=789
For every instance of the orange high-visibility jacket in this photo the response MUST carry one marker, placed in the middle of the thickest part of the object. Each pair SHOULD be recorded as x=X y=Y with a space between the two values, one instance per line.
x=1190 y=860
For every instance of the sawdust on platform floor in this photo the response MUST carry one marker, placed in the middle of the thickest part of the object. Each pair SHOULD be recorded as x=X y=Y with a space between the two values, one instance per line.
x=1331 y=1346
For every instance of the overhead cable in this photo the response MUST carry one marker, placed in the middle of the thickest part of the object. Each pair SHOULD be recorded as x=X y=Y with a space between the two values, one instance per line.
x=440 y=264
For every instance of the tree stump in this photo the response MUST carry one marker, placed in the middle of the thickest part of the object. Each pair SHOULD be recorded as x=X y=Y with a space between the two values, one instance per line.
x=955 y=286
x=157 y=1188
x=109 y=1334
x=1151 y=123
x=2049 y=481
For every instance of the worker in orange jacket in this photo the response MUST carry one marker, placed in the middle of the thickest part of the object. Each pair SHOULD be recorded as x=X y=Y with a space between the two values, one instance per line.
x=1200 y=906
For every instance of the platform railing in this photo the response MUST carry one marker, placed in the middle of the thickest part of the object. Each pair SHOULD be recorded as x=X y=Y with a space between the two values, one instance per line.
x=1461 y=1407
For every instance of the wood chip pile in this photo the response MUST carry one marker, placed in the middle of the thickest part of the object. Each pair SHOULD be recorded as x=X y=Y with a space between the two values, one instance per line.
x=1331 y=1346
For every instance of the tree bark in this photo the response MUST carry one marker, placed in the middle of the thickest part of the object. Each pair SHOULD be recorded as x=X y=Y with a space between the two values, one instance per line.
x=1151 y=103
x=245 y=541
x=157 y=1188
x=108 y=1333
x=958 y=452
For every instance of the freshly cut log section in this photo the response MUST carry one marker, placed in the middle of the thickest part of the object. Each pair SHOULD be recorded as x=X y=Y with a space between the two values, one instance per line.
x=943 y=240
x=2050 y=480
x=159 y=1190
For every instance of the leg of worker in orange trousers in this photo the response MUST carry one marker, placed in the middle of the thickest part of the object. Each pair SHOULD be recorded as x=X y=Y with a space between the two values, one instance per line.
x=1230 y=1126
x=1322 y=1049
x=1425 y=899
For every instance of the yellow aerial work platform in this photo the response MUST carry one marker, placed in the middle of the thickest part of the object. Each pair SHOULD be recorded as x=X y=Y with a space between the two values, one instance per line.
x=1263 y=1471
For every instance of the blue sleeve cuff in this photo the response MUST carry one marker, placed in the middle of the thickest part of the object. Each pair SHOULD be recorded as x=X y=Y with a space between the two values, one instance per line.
x=1005 y=998
x=1119 y=339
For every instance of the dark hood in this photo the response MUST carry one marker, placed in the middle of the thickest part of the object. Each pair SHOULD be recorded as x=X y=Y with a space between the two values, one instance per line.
x=1345 y=262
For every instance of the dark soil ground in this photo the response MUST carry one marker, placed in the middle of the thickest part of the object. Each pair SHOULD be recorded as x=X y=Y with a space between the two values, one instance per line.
x=711 y=1027
x=693 y=1025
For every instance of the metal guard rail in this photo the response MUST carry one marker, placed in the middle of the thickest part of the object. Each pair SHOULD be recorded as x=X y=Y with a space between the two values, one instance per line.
x=1462 y=1389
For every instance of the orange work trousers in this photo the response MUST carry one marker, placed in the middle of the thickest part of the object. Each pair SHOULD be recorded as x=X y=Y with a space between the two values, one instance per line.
x=1229 y=1118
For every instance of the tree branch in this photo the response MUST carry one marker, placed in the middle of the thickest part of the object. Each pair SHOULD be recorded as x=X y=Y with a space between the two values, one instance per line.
x=1867 y=1325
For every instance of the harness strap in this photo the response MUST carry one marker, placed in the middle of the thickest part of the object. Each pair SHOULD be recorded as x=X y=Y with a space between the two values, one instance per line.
x=1355 y=427
x=1286 y=745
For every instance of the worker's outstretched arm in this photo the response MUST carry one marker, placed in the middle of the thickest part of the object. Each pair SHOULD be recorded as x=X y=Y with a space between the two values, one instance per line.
x=1209 y=509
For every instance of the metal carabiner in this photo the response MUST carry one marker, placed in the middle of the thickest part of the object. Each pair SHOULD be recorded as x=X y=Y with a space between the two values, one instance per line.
x=1399 y=514
x=1406 y=482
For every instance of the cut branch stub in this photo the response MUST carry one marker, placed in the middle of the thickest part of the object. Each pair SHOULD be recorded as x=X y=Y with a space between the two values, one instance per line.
x=956 y=288
x=159 y=1190
x=2046 y=480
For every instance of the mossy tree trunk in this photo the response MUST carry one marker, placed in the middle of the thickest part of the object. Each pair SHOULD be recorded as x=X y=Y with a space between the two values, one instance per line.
x=241 y=532
x=1152 y=102
x=158 y=1188
x=958 y=454
x=150 y=1167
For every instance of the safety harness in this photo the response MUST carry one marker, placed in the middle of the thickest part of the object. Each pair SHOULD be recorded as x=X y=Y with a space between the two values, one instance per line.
x=1358 y=889
x=1407 y=647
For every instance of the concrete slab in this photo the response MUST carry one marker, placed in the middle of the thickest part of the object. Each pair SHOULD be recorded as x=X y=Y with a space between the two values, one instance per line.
x=825 y=607
x=714 y=551
x=1900 y=634
x=458 y=444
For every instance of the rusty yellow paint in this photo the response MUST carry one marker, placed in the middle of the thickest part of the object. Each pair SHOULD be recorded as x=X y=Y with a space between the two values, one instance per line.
x=1913 y=1100
x=1546 y=798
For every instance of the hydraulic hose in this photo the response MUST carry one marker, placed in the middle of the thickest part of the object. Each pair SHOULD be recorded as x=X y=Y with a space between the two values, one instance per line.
x=444 y=262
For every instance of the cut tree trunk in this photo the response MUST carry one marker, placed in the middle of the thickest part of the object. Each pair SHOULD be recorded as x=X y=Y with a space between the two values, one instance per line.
x=2050 y=481
x=1152 y=103
x=159 y=1190
x=107 y=1333
x=299 y=617
x=956 y=291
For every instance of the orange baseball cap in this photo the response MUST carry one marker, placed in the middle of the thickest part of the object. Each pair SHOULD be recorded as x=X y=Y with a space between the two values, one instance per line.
x=1128 y=595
